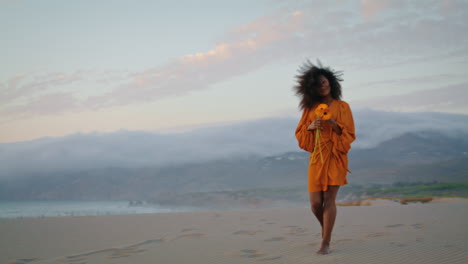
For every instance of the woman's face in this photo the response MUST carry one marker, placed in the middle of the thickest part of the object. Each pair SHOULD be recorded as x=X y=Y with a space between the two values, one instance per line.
x=323 y=87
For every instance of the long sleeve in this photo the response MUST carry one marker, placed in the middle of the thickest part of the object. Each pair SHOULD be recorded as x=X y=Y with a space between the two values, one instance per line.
x=346 y=123
x=304 y=137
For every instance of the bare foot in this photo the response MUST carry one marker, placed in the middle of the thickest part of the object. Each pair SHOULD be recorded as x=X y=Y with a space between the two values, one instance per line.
x=324 y=248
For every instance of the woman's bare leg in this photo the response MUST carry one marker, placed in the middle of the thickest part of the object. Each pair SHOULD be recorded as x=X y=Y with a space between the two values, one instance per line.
x=316 y=204
x=329 y=216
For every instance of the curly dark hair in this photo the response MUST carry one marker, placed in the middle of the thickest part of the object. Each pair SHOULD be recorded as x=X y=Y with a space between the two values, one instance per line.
x=308 y=82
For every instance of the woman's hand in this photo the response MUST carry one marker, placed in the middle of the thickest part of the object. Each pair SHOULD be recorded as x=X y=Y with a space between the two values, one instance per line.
x=331 y=122
x=334 y=126
x=316 y=124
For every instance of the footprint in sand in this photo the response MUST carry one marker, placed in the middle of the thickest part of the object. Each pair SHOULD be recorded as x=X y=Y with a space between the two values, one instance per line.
x=398 y=244
x=125 y=252
x=418 y=226
x=269 y=258
x=296 y=230
x=377 y=234
x=152 y=241
x=80 y=259
x=22 y=261
x=114 y=252
x=84 y=255
x=345 y=240
x=75 y=262
x=247 y=232
x=266 y=222
x=395 y=225
x=258 y=255
x=274 y=239
x=193 y=235
x=338 y=241
x=251 y=253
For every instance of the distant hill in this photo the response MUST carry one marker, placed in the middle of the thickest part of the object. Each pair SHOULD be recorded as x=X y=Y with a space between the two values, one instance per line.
x=423 y=146
x=425 y=156
x=413 y=157
x=244 y=140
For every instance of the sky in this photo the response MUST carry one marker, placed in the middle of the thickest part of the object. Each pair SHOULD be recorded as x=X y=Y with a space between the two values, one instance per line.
x=82 y=66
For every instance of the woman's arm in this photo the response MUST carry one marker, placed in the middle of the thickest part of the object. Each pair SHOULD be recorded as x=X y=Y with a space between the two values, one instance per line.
x=337 y=129
x=305 y=136
x=345 y=134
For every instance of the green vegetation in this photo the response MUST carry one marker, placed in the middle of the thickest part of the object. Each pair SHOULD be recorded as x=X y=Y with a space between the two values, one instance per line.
x=298 y=194
x=422 y=190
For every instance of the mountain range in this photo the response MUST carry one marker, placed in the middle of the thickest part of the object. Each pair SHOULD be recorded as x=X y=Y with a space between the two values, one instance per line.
x=49 y=169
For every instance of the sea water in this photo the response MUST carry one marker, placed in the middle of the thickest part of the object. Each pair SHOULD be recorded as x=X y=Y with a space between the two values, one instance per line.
x=39 y=209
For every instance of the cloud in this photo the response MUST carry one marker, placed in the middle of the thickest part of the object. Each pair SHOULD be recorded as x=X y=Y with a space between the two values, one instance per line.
x=401 y=36
x=250 y=47
x=26 y=95
x=23 y=85
x=402 y=82
x=371 y=7
x=47 y=104
x=191 y=72
x=448 y=99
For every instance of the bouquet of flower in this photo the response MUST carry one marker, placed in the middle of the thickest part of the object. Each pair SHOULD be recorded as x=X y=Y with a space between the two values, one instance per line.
x=323 y=113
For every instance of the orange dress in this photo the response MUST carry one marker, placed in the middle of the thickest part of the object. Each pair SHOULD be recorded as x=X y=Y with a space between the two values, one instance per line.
x=334 y=147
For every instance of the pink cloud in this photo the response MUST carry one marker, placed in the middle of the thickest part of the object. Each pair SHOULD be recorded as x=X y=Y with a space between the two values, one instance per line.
x=287 y=34
x=371 y=8
x=192 y=72
x=51 y=103
x=22 y=85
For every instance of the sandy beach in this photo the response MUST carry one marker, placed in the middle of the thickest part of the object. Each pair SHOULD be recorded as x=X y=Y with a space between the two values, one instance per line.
x=386 y=232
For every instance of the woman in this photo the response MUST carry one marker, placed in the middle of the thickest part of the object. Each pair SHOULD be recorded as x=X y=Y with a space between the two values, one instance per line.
x=328 y=166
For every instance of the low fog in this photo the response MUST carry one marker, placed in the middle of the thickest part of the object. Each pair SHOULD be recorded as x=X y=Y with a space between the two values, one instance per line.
x=263 y=137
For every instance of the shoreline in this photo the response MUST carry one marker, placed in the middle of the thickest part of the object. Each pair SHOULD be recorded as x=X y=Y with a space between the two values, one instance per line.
x=377 y=201
x=361 y=235
x=369 y=201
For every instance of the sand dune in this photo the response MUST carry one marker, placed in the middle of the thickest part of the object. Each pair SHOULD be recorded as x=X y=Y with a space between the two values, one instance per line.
x=434 y=232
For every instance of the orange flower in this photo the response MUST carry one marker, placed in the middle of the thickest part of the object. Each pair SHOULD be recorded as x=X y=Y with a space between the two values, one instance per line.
x=323 y=112
x=326 y=115
x=322 y=106
x=318 y=112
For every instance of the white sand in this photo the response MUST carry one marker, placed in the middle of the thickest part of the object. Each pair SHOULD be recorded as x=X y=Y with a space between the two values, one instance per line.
x=435 y=232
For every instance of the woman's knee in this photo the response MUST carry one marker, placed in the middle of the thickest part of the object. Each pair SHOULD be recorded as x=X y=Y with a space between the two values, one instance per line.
x=330 y=196
x=316 y=206
x=329 y=203
x=316 y=201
